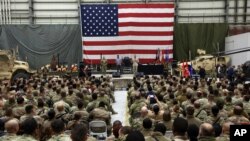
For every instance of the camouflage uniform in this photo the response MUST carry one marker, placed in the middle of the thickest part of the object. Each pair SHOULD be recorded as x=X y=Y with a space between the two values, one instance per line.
x=84 y=115
x=238 y=119
x=25 y=138
x=168 y=125
x=212 y=120
x=42 y=112
x=146 y=132
x=201 y=114
x=18 y=111
x=90 y=138
x=184 y=104
x=8 y=137
x=100 y=114
x=223 y=138
x=104 y=63
x=246 y=106
x=106 y=100
x=92 y=105
x=122 y=138
x=206 y=138
x=136 y=123
x=156 y=136
x=228 y=107
x=136 y=106
x=193 y=120
x=61 y=137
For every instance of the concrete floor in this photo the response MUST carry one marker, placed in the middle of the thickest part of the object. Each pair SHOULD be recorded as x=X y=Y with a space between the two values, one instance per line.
x=120 y=106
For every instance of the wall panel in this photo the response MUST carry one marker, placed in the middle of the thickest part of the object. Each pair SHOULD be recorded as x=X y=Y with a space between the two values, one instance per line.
x=62 y=11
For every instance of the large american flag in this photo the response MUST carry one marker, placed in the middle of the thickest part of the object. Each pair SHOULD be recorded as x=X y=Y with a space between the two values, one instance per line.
x=126 y=29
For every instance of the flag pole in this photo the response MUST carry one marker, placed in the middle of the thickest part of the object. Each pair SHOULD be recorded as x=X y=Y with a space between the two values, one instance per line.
x=189 y=55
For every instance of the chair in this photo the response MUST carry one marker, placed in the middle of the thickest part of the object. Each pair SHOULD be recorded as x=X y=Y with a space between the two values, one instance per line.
x=98 y=129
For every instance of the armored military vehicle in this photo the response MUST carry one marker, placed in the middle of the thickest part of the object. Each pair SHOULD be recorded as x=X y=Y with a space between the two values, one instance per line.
x=207 y=61
x=246 y=70
x=10 y=68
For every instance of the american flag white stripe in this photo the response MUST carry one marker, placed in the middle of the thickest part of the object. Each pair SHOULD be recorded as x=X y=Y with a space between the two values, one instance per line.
x=145 y=20
x=147 y=10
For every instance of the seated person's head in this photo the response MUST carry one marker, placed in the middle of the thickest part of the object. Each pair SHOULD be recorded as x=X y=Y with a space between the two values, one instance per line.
x=135 y=136
x=12 y=126
x=160 y=127
x=29 y=126
x=180 y=126
x=57 y=126
x=190 y=110
x=206 y=129
x=193 y=131
x=147 y=123
x=166 y=116
x=79 y=133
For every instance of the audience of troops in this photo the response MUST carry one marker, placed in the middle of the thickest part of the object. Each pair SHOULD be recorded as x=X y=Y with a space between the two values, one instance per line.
x=161 y=108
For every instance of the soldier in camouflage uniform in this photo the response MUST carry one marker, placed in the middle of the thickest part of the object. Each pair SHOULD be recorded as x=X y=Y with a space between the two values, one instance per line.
x=58 y=130
x=19 y=110
x=206 y=132
x=215 y=118
x=123 y=132
x=246 y=104
x=158 y=134
x=228 y=105
x=199 y=112
x=225 y=136
x=137 y=105
x=12 y=127
x=82 y=111
x=29 y=128
x=100 y=113
x=136 y=121
x=167 y=121
x=104 y=64
x=79 y=132
x=147 y=127
x=238 y=116
x=93 y=104
x=105 y=98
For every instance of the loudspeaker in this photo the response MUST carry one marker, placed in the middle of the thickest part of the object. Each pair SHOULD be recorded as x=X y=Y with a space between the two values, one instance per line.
x=80 y=69
x=116 y=74
x=139 y=74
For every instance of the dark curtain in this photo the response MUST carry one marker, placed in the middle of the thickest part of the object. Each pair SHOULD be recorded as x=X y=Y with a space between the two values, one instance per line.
x=206 y=36
x=38 y=43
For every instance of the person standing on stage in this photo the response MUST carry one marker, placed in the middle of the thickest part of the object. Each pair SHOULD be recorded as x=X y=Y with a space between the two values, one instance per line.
x=87 y=71
x=104 y=63
x=118 y=62
x=135 y=64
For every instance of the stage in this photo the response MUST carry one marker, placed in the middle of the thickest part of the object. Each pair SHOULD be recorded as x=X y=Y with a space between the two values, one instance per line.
x=121 y=82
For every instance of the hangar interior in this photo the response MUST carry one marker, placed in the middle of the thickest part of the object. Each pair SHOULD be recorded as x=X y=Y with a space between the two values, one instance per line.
x=36 y=27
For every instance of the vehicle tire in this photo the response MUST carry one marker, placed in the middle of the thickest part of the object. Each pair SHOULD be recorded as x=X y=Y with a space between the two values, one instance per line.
x=21 y=75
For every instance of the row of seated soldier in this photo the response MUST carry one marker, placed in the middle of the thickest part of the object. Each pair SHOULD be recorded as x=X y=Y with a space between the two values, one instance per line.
x=160 y=107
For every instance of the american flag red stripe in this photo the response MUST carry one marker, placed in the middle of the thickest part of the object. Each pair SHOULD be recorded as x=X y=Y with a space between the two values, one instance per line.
x=146 y=5
x=142 y=33
x=127 y=51
x=112 y=61
x=145 y=28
